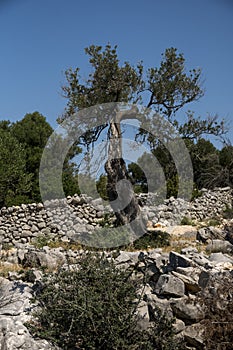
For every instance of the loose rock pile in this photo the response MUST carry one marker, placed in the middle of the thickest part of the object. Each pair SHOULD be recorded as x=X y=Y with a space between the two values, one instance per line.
x=173 y=283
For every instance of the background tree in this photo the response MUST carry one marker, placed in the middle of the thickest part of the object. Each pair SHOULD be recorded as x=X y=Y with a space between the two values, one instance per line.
x=101 y=186
x=15 y=182
x=205 y=160
x=138 y=177
x=33 y=132
x=226 y=162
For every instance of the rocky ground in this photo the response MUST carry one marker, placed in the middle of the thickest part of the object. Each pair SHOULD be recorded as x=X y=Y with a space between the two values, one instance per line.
x=178 y=275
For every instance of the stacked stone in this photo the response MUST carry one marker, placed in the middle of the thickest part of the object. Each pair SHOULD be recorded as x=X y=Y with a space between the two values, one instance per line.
x=77 y=215
x=211 y=203
x=60 y=218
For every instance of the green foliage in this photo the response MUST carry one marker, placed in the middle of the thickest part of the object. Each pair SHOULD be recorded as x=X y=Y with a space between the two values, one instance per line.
x=226 y=156
x=205 y=161
x=226 y=161
x=186 y=221
x=171 y=87
x=101 y=186
x=214 y=222
x=153 y=239
x=147 y=173
x=196 y=127
x=107 y=237
x=93 y=307
x=228 y=213
x=7 y=246
x=15 y=182
x=69 y=179
x=217 y=301
x=41 y=240
x=87 y=184
x=107 y=220
x=32 y=132
x=28 y=276
x=108 y=81
x=196 y=193
x=138 y=178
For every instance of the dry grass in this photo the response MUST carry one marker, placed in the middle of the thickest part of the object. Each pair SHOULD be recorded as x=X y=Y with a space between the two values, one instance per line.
x=6 y=267
x=177 y=243
x=65 y=245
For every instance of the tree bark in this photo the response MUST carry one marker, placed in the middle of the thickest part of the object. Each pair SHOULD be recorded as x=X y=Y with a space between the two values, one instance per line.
x=119 y=188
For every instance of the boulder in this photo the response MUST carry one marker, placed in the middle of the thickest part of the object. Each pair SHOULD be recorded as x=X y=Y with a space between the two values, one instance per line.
x=219 y=246
x=191 y=285
x=220 y=258
x=142 y=314
x=194 y=335
x=187 y=310
x=170 y=285
x=155 y=302
x=209 y=233
x=178 y=260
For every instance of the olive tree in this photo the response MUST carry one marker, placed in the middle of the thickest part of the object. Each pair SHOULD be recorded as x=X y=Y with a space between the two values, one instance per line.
x=165 y=90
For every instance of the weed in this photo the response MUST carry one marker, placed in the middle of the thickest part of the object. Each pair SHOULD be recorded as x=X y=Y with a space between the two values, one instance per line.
x=228 y=212
x=186 y=221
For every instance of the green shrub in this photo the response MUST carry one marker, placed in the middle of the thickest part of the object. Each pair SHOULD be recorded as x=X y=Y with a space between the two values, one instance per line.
x=107 y=238
x=93 y=307
x=122 y=238
x=186 y=221
x=196 y=193
x=228 y=213
x=7 y=246
x=214 y=222
x=217 y=301
x=107 y=220
x=41 y=241
x=154 y=239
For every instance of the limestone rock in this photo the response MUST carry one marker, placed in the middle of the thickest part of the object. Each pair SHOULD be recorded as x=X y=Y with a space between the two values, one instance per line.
x=219 y=246
x=186 y=310
x=191 y=285
x=178 y=260
x=170 y=285
x=194 y=335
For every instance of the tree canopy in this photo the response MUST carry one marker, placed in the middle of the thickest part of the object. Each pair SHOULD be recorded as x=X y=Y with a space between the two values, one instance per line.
x=15 y=182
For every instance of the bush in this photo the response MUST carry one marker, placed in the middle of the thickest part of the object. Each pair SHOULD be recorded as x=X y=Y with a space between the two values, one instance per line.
x=228 y=213
x=154 y=239
x=42 y=240
x=186 y=221
x=217 y=300
x=112 y=238
x=94 y=307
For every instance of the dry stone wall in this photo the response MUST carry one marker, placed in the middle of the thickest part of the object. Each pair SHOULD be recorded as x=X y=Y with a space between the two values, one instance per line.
x=21 y=224
x=210 y=204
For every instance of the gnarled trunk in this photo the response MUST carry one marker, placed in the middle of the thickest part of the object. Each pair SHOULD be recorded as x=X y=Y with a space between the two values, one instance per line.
x=119 y=188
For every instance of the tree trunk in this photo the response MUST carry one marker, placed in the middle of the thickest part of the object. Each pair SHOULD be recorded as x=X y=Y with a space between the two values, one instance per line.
x=119 y=188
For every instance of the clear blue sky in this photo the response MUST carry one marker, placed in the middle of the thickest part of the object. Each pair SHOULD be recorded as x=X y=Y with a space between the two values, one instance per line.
x=40 y=39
